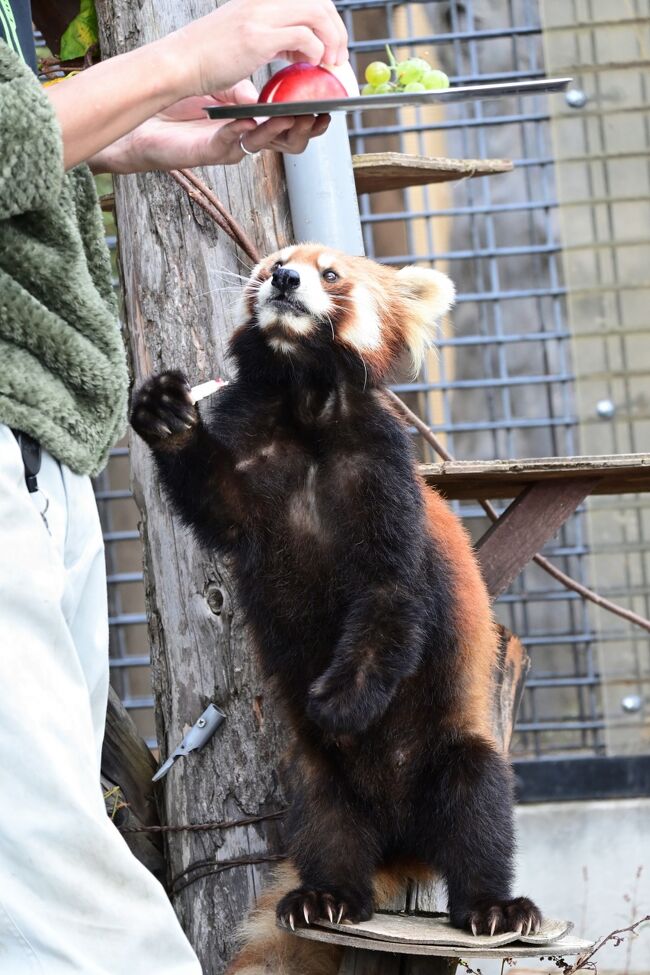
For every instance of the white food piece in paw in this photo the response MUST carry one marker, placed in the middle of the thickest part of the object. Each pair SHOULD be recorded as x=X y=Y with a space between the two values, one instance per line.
x=206 y=389
x=346 y=76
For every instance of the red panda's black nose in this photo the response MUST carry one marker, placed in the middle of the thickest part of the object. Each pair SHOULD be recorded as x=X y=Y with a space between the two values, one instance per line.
x=284 y=279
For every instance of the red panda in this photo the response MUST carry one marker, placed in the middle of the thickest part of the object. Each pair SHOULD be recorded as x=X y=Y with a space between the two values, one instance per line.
x=362 y=594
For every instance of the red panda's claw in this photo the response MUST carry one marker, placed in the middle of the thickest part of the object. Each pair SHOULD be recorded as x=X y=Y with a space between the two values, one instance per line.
x=341 y=914
x=292 y=923
x=306 y=914
x=330 y=913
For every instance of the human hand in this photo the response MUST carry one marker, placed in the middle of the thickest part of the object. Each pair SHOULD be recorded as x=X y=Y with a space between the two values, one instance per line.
x=182 y=136
x=255 y=32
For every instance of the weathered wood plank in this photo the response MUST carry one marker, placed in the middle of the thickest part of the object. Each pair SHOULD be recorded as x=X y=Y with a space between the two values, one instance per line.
x=566 y=945
x=514 y=664
x=483 y=479
x=358 y=962
x=146 y=846
x=127 y=761
x=525 y=526
x=127 y=765
x=376 y=172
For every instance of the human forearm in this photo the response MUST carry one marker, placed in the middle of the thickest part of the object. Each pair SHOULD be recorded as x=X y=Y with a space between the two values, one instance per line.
x=101 y=104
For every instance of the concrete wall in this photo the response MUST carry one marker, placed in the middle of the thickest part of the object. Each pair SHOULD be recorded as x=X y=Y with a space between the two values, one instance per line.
x=588 y=862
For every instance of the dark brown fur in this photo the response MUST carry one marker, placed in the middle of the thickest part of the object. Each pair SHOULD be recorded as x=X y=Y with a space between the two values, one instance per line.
x=360 y=587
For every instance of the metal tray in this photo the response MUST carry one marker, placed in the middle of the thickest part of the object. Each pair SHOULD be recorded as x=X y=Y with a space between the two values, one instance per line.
x=367 y=103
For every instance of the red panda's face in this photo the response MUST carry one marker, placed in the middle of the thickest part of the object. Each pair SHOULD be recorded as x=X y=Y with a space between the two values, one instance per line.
x=309 y=298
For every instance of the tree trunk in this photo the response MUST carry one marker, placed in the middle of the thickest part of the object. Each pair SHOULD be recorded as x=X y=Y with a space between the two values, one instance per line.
x=180 y=299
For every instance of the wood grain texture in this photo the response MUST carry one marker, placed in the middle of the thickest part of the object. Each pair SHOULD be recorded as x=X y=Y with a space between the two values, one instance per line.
x=525 y=526
x=376 y=172
x=484 y=479
x=180 y=296
x=514 y=664
x=357 y=962
x=567 y=945
x=128 y=762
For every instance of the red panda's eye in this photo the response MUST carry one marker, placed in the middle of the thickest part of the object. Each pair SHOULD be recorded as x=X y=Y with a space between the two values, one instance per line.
x=276 y=265
x=330 y=275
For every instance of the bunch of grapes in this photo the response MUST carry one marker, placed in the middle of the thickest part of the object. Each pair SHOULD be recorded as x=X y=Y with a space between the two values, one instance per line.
x=412 y=75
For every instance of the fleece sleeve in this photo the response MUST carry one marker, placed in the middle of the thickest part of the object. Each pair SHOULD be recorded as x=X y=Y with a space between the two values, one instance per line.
x=31 y=148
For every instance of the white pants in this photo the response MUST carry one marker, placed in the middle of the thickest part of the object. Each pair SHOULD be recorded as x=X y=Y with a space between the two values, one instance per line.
x=72 y=896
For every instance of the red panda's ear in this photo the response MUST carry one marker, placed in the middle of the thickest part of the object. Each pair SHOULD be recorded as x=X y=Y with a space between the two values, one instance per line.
x=428 y=294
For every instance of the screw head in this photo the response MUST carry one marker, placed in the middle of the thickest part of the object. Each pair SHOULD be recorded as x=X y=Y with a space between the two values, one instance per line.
x=201 y=723
x=632 y=703
x=575 y=98
x=605 y=409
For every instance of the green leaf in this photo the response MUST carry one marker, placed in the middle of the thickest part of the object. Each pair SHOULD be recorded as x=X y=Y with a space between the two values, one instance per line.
x=81 y=34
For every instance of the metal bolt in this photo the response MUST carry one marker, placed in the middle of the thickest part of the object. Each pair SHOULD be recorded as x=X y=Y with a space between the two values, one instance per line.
x=201 y=723
x=575 y=98
x=632 y=703
x=605 y=409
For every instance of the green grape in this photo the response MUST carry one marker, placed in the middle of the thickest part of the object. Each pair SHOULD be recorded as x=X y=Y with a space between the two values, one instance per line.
x=411 y=70
x=435 y=80
x=368 y=90
x=384 y=89
x=377 y=73
x=414 y=86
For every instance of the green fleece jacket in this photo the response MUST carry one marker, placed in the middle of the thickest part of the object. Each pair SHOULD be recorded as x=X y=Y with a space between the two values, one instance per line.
x=63 y=376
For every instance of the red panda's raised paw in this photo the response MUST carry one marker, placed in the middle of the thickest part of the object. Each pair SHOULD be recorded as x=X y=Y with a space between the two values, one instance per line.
x=162 y=411
x=519 y=914
x=305 y=905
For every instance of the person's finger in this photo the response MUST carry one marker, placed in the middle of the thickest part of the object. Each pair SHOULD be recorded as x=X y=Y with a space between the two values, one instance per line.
x=297 y=138
x=326 y=23
x=336 y=48
x=299 y=44
x=230 y=134
x=243 y=93
x=267 y=132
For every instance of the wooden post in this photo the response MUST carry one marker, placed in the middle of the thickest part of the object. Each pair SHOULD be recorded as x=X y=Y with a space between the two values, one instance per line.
x=180 y=296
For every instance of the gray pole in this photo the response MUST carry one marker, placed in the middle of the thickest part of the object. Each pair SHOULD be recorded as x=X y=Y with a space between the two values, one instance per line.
x=322 y=194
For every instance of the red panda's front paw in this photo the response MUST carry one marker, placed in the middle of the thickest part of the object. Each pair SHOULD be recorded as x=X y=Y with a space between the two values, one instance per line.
x=162 y=411
x=347 y=703
x=306 y=905
x=519 y=914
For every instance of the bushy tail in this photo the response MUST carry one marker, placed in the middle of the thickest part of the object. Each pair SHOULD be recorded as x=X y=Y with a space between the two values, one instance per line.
x=269 y=950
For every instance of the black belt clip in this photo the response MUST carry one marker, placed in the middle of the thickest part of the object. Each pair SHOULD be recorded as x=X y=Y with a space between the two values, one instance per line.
x=31 y=453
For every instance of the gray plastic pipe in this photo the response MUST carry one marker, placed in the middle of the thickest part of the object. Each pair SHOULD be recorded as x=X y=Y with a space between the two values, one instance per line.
x=322 y=194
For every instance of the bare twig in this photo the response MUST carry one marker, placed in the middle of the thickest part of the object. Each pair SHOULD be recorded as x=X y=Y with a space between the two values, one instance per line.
x=616 y=936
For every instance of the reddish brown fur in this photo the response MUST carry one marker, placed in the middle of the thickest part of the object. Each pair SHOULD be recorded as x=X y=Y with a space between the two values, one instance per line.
x=476 y=628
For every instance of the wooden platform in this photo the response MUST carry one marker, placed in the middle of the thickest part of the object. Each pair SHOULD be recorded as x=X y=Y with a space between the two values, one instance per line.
x=484 y=479
x=370 y=945
x=547 y=491
x=377 y=171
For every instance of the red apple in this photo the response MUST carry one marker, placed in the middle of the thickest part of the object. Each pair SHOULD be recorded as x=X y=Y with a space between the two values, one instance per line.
x=302 y=82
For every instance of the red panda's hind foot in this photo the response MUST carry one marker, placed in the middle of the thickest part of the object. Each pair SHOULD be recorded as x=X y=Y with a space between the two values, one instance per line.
x=519 y=914
x=305 y=905
x=162 y=411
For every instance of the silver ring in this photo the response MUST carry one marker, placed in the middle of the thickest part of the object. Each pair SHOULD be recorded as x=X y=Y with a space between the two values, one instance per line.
x=247 y=152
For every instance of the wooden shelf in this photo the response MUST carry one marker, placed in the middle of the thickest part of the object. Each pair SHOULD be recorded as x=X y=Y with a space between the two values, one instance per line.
x=377 y=171
x=483 y=479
